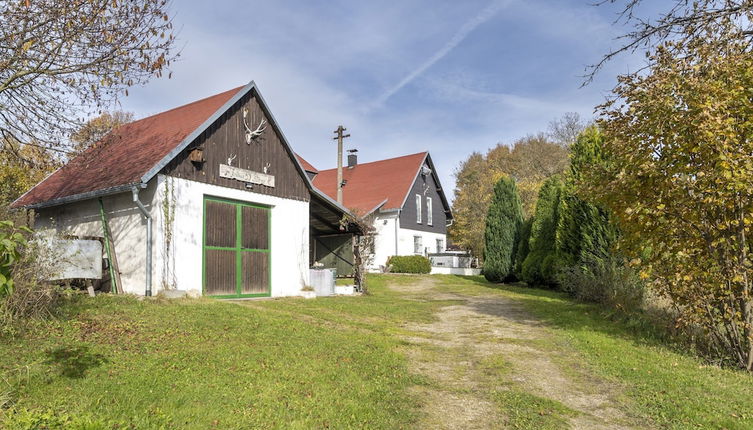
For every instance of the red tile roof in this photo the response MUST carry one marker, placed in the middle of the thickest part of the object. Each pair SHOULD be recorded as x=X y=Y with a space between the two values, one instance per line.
x=369 y=184
x=306 y=165
x=126 y=154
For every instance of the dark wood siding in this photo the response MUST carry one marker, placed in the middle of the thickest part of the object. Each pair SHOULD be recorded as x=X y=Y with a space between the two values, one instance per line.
x=226 y=138
x=236 y=249
x=220 y=222
x=408 y=215
x=255 y=228
x=255 y=273
x=219 y=272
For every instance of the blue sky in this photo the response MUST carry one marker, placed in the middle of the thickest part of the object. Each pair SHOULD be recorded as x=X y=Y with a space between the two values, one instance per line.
x=449 y=77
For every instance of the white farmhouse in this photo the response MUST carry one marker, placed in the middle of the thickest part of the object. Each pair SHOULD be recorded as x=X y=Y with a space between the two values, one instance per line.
x=405 y=196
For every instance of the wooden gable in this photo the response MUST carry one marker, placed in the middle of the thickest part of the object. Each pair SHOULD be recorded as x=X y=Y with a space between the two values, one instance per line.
x=224 y=143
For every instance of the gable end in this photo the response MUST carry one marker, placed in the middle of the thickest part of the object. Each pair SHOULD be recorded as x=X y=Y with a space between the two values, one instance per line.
x=224 y=142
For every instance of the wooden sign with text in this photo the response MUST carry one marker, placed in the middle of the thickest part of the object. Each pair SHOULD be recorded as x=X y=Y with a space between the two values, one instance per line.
x=248 y=176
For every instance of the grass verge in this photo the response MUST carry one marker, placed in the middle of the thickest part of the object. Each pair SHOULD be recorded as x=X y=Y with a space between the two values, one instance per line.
x=288 y=363
x=672 y=389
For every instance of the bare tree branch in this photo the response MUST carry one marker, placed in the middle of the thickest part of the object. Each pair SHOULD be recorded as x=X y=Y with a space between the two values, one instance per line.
x=686 y=22
x=64 y=61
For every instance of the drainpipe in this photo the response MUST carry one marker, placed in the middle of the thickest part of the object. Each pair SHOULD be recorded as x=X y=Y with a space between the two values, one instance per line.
x=148 y=217
x=397 y=220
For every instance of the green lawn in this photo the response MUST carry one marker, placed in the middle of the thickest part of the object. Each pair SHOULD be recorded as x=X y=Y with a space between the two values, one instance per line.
x=204 y=363
x=324 y=363
x=671 y=389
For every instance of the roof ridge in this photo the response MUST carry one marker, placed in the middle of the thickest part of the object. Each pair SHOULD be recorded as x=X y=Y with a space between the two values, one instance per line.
x=379 y=161
x=183 y=106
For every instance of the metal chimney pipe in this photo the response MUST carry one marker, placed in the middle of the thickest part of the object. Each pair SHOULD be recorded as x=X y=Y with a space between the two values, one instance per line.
x=352 y=158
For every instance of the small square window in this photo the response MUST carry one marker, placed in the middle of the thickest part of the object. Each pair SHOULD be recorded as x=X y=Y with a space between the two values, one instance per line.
x=418 y=246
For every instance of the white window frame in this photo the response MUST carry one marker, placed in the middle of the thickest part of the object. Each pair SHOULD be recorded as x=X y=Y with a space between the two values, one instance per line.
x=440 y=246
x=418 y=245
x=418 y=209
x=429 y=211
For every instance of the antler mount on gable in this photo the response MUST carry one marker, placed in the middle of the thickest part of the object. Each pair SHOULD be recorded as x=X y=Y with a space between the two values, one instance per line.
x=253 y=134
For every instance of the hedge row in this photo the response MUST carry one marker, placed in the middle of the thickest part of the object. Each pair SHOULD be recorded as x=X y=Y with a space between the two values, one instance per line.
x=409 y=264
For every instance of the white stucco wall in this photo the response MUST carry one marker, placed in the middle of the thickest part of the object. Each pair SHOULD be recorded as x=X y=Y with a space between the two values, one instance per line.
x=180 y=264
x=289 y=230
x=126 y=223
x=429 y=240
x=384 y=244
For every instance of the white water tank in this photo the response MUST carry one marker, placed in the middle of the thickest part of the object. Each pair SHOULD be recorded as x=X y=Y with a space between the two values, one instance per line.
x=323 y=281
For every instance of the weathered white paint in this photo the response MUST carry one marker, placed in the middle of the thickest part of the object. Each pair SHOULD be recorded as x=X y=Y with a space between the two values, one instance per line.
x=180 y=264
x=126 y=224
x=451 y=260
x=245 y=175
x=72 y=259
x=455 y=271
x=323 y=281
x=289 y=235
x=345 y=290
x=384 y=241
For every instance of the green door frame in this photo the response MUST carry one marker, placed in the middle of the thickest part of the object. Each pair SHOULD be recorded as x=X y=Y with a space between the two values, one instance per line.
x=239 y=250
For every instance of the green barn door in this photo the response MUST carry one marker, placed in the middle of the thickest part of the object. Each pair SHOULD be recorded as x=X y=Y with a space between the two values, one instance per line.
x=236 y=249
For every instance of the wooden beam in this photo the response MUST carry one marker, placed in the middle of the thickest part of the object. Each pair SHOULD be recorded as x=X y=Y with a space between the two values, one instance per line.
x=325 y=221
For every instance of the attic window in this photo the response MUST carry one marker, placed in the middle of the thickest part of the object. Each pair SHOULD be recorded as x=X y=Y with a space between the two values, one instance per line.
x=429 y=211
x=418 y=208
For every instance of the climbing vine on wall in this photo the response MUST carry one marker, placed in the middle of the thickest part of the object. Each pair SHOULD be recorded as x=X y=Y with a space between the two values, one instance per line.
x=168 y=217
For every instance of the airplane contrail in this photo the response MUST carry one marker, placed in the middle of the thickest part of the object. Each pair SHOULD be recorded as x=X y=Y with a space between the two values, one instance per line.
x=486 y=14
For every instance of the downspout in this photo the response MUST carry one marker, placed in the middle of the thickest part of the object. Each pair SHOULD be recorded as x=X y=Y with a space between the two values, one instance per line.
x=148 y=217
x=397 y=220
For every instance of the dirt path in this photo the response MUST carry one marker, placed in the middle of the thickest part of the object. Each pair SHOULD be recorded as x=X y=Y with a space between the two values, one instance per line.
x=482 y=355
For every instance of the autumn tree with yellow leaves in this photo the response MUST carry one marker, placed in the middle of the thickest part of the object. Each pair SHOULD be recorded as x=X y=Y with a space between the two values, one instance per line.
x=529 y=161
x=680 y=181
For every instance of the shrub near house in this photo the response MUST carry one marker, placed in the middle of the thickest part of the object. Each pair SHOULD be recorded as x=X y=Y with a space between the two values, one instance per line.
x=409 y=264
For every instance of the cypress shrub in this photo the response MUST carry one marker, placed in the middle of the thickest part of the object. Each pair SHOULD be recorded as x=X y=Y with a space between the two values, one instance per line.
x=502 y=232
x=542 y=263
x=522 y=247
x=585 y=230
x=586 y=234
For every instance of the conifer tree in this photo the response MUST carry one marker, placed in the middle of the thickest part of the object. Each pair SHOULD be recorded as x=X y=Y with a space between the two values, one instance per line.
x=522 y=248
x=542 y=261
x=502 y=231
x=585 y=231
